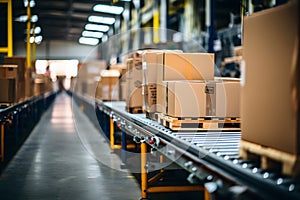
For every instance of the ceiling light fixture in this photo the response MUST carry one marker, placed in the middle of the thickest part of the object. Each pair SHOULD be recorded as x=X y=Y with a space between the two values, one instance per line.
x=96 y=27
x=88 y=41
x=92 y=34
x=37 y=30
x=31 y=3
x=24 y=18
x=103 y=20
x=108 y=9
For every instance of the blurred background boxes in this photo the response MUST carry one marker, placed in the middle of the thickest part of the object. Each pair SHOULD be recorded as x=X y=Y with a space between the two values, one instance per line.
x=108 y=86
x=8 y=83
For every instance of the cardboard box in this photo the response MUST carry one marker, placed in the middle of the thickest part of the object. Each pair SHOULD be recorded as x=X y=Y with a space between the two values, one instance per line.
x=135 y=99
x=238 y=51
x=271 y=83
x=122 y=68
x=108 y=87
x=9 y=71
x=134 y=78
x=21 y=62
x=123 y=91
x=8 y=90
x=186 y=99
x=188 y=66
x=228 y=93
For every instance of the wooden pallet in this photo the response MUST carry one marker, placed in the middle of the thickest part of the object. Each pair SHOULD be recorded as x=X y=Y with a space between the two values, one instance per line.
x=270 y=158
x=135 y=110
x=151 y=115
x=198 y=123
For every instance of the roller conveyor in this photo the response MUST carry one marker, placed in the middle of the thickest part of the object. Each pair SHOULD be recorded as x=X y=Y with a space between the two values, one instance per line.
x=205 y=154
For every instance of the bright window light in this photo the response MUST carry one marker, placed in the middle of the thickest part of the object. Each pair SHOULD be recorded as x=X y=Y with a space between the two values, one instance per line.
x=96 y=27
x=103 y=20
x=88 y=41
x=92 y=34
x=108 y=9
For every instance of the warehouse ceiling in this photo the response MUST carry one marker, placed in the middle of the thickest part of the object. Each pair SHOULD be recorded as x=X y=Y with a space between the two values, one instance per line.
x=65 y=19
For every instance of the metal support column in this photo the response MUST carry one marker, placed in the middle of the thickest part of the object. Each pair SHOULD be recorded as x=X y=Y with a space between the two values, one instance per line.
x=28 y=45
x=112 y=134
x=155 y=23
x=124 y=149
x=210 y=13
x=9 y=48
x=144 y=178
x=2 y=141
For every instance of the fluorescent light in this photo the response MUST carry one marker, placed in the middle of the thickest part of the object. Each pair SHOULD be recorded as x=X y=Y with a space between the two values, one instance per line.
x=38 y=39
x=31 y=39
x=108 y=9
x=92 y=34
x=37 y=30
x=103 y=20
x=34 y=18
x=97 y=27
x=24 y=18
x=89 y=41
x=31 y=3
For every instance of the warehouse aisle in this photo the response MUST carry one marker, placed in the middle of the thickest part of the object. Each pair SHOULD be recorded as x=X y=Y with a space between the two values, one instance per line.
x=52 y=164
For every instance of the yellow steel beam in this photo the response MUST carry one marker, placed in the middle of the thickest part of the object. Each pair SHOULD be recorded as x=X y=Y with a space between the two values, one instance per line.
x=9 y=29
x=160 y=189
x=9 y=48
x=144 y=181
x=3 y=49
x=2 y=142
x=28 y=45
x=112 y=134
x=156 y=26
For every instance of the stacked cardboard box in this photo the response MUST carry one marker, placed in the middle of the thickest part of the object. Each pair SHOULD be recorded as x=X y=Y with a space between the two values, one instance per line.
x=181 y=93
x=122 y=68
x=89 y=76
x=134 y=78
x=20 y=79
x=108 y=86
x=8 y=80
x=42 y=84
x=271 y=85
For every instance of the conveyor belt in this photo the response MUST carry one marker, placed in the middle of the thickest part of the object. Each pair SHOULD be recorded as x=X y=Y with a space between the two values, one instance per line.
x=206 y=154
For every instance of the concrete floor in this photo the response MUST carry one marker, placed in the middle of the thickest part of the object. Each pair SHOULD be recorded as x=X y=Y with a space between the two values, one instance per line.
x=52 y=163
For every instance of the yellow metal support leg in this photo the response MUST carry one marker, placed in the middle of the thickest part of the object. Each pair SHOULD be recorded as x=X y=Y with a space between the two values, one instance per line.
x=2 y=142
x=144 y=181
x=206 y=194
x=112 y=135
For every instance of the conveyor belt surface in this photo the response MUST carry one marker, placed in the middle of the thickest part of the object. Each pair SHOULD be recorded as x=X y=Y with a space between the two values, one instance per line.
x=215 y=152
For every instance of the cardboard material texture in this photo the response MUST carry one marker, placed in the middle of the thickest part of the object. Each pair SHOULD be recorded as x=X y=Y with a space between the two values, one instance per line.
x=186 y=99
x=9 y=71
x=8 y=90
x=135 y=99
x=108 y=87
x=21 y=62
x=188 y=66
x=134 y=78
x=271 y=83
x=228 y=95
